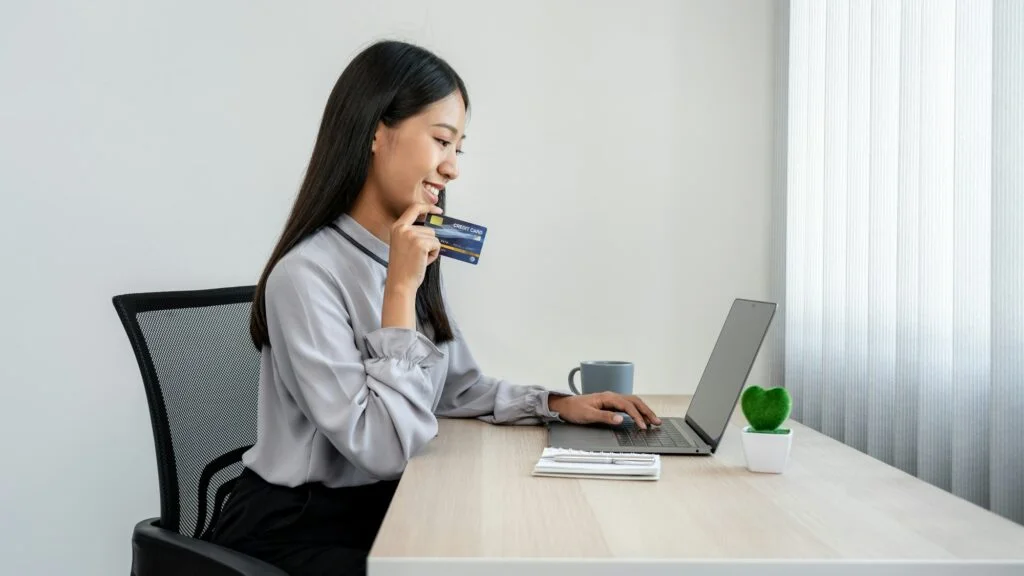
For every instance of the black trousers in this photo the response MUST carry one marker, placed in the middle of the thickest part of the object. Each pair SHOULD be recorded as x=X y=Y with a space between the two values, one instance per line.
x=310 y=530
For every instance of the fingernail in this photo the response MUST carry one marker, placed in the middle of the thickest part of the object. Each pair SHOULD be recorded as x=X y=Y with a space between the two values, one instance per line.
x=617 y=418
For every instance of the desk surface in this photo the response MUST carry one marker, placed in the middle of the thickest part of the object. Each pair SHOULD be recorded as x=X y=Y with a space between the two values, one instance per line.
x=469 y=501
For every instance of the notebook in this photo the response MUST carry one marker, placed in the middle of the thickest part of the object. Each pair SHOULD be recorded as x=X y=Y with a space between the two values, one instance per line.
x=605 y=465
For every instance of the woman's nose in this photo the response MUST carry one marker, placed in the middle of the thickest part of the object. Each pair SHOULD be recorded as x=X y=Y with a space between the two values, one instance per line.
x=449 y=168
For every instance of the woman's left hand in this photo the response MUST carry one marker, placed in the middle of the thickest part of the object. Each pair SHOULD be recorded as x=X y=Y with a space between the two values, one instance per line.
x=602 y=407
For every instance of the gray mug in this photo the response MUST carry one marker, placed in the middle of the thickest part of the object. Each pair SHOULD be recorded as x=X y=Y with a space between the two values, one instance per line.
x=603 y=376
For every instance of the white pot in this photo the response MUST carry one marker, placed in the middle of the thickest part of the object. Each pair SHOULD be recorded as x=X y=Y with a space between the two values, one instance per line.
x=766 y=452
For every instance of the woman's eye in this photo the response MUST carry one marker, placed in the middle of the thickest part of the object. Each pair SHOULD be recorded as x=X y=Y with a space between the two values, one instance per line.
x=444 y=144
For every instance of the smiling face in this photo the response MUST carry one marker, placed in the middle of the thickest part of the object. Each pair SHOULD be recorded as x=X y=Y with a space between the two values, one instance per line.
x=415 y=159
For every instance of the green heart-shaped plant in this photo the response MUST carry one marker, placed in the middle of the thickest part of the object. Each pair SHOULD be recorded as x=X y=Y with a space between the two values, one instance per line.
x=766 y=410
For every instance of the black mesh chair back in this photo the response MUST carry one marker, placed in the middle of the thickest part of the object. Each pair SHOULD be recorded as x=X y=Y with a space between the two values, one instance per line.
x=201 y=374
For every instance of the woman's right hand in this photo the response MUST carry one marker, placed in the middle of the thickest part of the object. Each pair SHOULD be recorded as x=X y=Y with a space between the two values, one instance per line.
x=412 y=249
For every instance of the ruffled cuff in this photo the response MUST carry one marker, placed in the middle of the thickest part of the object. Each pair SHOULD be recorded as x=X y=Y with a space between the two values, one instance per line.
x=404 y=345
x=538 y=403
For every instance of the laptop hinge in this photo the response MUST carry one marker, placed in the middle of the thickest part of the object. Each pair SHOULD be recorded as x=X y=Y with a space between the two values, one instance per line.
x=701 y=435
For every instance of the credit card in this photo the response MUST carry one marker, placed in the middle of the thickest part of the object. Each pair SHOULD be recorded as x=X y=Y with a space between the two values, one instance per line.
x=459 y=239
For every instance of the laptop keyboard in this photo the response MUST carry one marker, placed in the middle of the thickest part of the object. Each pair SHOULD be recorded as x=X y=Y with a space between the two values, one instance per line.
x=665 y=436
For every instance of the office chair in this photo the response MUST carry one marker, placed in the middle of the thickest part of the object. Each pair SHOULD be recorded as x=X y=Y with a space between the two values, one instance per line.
x=201 y=375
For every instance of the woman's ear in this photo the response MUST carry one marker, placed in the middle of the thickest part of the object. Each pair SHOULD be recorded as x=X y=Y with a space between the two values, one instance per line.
x=378 y=135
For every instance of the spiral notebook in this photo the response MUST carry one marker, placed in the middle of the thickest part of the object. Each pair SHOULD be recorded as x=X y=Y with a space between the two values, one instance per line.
x=562 y=462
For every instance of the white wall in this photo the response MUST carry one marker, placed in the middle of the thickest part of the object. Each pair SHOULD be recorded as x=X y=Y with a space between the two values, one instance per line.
x=619 y=153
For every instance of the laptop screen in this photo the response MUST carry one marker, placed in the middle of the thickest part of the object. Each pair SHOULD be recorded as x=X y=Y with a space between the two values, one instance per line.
x=729 y=365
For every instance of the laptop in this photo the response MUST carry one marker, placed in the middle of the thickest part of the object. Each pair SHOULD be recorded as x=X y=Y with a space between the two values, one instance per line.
x=699 y=431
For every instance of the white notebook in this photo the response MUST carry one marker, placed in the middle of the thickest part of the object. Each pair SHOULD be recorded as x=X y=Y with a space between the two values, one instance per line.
x=607 y=465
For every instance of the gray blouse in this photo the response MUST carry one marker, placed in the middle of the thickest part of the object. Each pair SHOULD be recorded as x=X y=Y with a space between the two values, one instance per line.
x=345 y=402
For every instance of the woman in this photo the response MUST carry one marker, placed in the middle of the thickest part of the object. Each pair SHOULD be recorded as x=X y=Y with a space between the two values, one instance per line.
x=359 y=355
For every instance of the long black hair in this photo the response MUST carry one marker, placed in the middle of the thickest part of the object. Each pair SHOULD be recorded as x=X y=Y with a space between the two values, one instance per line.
x=387 y=82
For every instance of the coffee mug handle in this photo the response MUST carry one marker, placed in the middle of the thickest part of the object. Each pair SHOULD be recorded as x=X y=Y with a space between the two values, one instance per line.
x=572 y=385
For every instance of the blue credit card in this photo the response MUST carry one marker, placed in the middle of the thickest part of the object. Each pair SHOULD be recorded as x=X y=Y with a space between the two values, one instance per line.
x=459 y=239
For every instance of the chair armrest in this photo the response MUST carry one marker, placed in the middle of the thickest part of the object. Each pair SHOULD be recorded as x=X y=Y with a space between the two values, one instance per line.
x=160 y=552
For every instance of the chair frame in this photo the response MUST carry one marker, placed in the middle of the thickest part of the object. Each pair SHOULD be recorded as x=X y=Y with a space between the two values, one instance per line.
x=156 y=539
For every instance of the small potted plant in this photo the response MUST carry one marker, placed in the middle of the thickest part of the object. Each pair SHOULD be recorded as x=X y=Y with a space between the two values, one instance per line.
x=765 y=445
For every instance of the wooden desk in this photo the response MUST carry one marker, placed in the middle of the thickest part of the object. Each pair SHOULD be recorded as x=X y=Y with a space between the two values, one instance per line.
x=469 y=505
